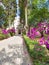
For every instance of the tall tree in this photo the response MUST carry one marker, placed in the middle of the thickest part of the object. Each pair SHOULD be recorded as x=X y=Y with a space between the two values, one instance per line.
x=38 y=12
x=2 y=16
x=26 y=17
x=10 y=10
x=23 y=12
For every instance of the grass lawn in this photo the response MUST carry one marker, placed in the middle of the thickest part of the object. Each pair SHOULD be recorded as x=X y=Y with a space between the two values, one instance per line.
x=38 y=53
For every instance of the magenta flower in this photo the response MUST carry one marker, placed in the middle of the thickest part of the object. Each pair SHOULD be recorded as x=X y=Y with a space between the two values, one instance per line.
x=33 y=30
x=32 y=33
x=47 y=46
x=42 y=26
x=11 y=30
x=42 y=41
x=47 y=31
x=38 y=33
x=28 y=34
x=46 y=42
x=39 y=24
x=4 y=31
x=40 y=29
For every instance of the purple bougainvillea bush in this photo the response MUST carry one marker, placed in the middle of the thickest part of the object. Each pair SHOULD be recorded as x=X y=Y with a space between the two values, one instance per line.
x=42 y=28
x=9 y=31
x=33 y=33
x=4 y=31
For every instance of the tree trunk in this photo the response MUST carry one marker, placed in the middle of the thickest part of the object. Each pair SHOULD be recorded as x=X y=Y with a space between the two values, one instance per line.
x=9 y=23
x=26 y=23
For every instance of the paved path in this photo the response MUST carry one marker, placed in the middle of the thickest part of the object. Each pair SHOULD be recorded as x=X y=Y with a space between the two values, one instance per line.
x=14 y=52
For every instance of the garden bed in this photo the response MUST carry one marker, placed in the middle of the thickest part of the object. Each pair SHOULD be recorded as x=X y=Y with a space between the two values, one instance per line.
x=39 y=54
x=4 y=34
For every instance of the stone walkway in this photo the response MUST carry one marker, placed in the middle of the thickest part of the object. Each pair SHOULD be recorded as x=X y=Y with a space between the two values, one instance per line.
x=13 y=52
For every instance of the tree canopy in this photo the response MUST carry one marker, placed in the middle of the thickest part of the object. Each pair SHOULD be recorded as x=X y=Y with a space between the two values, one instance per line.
x=10 y=11
x=37 y=11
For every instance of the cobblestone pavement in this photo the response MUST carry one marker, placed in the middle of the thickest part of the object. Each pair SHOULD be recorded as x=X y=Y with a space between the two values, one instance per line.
x=13 y=52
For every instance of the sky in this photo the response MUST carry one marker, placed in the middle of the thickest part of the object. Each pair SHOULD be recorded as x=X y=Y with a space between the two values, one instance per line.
x=17 y=1
x=18 y=11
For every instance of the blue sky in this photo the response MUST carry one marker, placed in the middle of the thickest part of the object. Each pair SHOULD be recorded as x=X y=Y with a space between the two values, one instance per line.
x=17 y=1
x=18 y=11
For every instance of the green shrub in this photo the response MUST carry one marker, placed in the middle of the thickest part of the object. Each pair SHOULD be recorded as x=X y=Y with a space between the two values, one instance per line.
x=3 y=36
x=37 y=52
